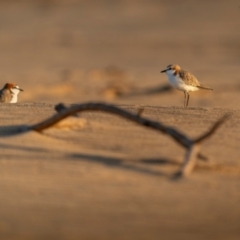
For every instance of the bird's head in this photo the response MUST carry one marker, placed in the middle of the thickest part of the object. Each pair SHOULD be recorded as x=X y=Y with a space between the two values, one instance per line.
x=13 y=88
x=171 y=69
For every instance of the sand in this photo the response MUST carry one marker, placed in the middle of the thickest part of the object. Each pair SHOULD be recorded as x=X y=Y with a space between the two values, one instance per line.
x=98 y=176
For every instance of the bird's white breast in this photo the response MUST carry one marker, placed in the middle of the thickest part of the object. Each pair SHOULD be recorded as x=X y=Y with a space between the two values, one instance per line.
x=14 y=99
x=14 y=95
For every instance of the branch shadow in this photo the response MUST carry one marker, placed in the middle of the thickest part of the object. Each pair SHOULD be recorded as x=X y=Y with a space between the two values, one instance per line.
x=160 y=161
x=124 y=164
x=23 y=148
x=13 y=130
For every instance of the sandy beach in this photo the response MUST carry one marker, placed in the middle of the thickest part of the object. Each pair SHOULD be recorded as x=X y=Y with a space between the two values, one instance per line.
x=97 y=175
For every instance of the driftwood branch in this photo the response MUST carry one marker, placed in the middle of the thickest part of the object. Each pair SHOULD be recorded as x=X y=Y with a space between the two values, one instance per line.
x=72 y=110
x=192 y=145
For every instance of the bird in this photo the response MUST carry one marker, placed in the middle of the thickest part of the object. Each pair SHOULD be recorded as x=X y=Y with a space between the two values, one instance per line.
x=183 y=81
x=9 y=93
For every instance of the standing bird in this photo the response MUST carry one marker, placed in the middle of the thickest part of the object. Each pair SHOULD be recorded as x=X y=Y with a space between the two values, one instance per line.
x=183 y=81
x=9 y=93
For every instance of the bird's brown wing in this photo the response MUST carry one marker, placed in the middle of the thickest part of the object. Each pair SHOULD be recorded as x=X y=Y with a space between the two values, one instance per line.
x=5 y=96
x=189 y=79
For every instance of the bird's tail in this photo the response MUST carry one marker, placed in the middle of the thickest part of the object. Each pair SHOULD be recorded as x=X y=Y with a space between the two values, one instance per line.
x=204 y=87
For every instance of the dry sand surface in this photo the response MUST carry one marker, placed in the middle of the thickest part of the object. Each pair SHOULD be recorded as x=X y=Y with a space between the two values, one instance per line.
x=98 y=176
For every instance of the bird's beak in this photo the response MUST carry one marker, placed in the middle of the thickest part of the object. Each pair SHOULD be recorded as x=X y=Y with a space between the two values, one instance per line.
x=163 y=70
x=21 y=89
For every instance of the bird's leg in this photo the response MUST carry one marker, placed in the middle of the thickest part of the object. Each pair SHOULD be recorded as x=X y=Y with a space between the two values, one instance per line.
x=188 y=96
x=184 y=99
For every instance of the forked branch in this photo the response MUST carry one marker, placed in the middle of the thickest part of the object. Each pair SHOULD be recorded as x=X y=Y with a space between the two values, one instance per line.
x=192 y=145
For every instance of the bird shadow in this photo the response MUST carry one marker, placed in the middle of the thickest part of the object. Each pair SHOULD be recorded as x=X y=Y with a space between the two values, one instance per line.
x=126 y=164
x=149 y=91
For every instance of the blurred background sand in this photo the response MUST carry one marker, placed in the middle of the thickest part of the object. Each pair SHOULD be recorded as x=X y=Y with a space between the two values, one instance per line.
x=74 y=50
